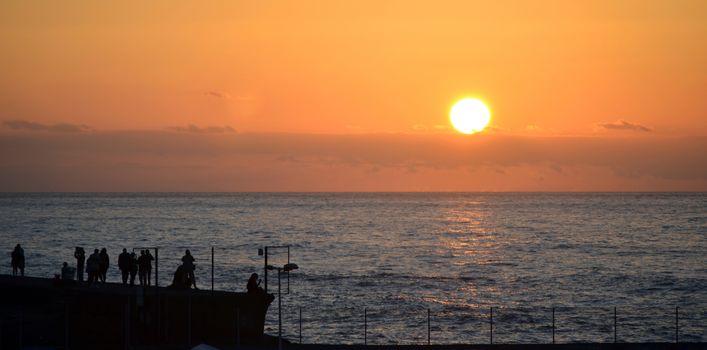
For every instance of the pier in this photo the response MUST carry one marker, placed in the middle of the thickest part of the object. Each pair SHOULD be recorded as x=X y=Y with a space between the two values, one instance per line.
x=52 y=313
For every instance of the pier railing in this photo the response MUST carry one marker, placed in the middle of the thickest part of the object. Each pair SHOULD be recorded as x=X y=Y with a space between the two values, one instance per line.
x=493 y=325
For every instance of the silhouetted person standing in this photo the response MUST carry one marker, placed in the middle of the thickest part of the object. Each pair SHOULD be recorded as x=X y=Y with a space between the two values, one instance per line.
x=188 y=264
x=149 y=266
x=18 y=261
x=103 y=263
x=124 y=265
x=80 y=256
x=142 y=268
x=92 y=267
x=133 y=268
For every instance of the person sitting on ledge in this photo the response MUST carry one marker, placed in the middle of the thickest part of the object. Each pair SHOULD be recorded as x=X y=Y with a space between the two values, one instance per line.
x=254 y=285
x=181 y=279
x=67 y=272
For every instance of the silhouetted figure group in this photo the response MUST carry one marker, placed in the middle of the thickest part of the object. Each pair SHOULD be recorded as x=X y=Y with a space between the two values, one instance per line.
x=131 y=265
x=18 y=261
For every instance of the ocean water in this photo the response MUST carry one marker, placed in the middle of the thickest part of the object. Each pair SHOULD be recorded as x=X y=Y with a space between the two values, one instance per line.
x=374 y=265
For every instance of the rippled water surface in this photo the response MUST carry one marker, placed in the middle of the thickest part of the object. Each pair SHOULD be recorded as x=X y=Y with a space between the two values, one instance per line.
x=398 y=255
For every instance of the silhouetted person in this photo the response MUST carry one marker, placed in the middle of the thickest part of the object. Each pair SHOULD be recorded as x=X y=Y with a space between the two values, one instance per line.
x=149 y=259
x=67 y=272
x=92 y=266
x=133 y=268
x=103 y=263
x=18 y=261
x=254 y=285
x=188 y=265
x=124 y=265
x=142 y=268
x=80 y=256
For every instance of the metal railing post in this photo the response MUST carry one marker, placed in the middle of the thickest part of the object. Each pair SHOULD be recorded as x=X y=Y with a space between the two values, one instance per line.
x=265 y=270
x=212 y=268
x=491 y=326
x=300 y=325
x=365 y=326
x=553 y=325
x=157 y=267
x=428 y=326
x=615 y=324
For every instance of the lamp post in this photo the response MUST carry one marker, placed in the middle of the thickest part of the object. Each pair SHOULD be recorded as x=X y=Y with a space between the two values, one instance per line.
x=287 y=268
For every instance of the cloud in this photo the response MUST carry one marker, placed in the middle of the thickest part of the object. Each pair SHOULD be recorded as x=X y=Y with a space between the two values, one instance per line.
x=196 y=160
x=624 y=125
x=218 y=94
x=32 y=126
x=209 y=129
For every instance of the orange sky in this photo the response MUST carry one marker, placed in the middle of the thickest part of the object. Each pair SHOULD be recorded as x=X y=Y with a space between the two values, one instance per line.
x=365 y=79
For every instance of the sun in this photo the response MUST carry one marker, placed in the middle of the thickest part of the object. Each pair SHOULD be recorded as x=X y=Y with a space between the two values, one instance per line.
x=469 y=116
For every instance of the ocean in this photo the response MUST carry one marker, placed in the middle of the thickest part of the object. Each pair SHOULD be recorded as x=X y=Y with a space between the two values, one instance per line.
x=373 y=266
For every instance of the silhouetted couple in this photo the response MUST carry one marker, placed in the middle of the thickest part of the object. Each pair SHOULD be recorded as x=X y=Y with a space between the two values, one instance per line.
x=97 y=266
x=18 y=261
x=184 y=276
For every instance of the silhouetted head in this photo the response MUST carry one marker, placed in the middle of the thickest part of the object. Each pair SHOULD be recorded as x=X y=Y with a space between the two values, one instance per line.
x=187 y=252
x=17 y=246
x=65 y=264
x=95 y=251
x=132 y=254
x=125 y=250
x=103 y=250
x=142 y=252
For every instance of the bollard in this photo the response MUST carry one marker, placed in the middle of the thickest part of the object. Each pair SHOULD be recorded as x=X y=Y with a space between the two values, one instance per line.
x=553 y=325
x=189 y=320
x=66 y=327
x=428 y=326
x=21 y=321
x=677 y=329
x=166 y=318
x=365 y=326
x=614 y=324
x=491 y=326
x=126 y=323
x=238 y=326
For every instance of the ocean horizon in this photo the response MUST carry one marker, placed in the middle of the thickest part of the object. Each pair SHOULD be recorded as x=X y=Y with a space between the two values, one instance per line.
x=394 y=256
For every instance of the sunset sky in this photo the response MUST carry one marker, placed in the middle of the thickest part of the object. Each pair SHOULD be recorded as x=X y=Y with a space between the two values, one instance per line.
x=352 y=95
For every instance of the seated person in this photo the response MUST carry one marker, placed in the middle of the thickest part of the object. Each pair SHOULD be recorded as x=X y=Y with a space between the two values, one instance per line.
x=254 y=284
x=67 y=272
